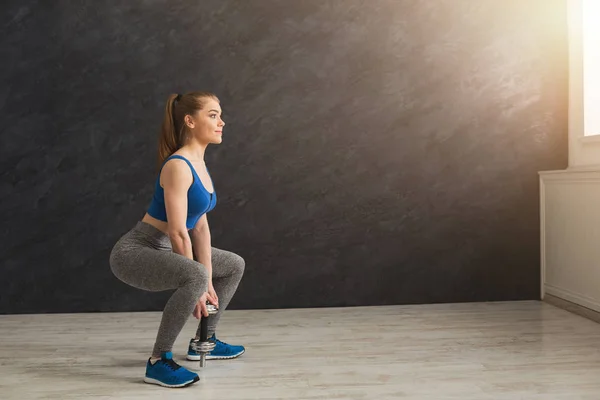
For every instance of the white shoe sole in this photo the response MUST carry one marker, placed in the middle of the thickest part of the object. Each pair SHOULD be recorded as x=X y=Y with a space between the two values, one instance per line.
x=209 y=357
x=157 y=382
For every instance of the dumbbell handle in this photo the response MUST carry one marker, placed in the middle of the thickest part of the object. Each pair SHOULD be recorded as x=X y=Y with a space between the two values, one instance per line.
x=204 y=322
x=203 y=346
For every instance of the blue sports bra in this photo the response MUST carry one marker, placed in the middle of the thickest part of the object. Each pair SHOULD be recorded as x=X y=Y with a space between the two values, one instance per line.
x=200 y=200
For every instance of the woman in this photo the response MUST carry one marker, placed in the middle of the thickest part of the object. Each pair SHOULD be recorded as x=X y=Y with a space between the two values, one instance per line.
x=158 y=253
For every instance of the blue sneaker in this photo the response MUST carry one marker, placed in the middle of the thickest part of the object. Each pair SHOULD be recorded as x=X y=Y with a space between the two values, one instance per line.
x=222 y=351
x=166 y=372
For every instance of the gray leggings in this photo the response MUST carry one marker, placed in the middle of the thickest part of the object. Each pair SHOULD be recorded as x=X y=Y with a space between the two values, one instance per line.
x=144 y=259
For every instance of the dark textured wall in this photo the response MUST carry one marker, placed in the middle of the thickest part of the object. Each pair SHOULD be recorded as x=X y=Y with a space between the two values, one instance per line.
x=377 y=152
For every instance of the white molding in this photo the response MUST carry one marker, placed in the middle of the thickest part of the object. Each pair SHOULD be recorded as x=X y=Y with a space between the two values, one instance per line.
x=542 y=238
x=564 y=188
x=573 y=297
x=586 y=173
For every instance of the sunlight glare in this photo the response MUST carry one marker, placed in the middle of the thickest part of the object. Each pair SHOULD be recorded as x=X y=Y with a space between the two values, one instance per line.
x=591 y=66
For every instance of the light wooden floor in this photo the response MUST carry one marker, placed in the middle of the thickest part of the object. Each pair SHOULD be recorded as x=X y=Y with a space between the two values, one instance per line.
x=515 y=350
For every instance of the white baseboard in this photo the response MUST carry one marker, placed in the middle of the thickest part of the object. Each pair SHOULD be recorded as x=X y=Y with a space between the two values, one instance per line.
x=573 y=308
x=572 y=297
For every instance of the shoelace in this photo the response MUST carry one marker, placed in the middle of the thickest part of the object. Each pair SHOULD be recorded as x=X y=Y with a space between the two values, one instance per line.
x=172 y=364
x=228 y=348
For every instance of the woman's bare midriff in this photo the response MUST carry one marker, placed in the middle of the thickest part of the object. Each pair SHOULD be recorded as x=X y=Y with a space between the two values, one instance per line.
x=158 y=224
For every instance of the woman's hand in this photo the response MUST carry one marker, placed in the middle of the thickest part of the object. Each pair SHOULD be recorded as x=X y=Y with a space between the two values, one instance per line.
x=212 y=295
x=200 y=309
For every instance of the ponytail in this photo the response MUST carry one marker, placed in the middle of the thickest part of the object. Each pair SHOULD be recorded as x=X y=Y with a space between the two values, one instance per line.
x=169 y=139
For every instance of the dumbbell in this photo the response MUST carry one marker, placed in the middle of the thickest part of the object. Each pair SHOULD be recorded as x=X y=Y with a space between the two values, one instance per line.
x=203 y=345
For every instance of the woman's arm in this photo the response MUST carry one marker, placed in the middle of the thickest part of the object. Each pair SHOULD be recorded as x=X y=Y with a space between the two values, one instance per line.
x=176 y=178
x=202 y=245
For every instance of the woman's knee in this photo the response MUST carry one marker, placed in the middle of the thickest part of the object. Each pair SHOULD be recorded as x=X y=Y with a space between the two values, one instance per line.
x=195 y=274
x=238 y=264
x=227 y=263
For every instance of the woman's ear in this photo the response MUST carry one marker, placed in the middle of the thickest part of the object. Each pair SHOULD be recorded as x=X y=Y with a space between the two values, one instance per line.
x=189 y=121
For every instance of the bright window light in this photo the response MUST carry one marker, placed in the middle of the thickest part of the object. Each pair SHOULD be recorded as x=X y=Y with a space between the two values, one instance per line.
x=591 y=66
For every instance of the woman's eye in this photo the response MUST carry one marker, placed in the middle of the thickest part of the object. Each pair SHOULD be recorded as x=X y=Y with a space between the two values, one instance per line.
x=213 y=116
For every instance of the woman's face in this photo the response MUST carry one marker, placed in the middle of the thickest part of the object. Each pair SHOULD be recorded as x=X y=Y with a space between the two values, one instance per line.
x=207 y=126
